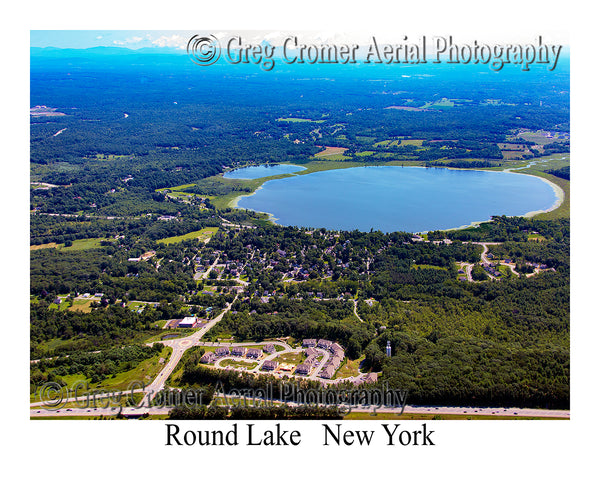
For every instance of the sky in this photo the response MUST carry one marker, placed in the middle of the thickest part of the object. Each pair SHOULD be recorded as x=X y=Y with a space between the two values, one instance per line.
x=104 y=38
x=178 y=39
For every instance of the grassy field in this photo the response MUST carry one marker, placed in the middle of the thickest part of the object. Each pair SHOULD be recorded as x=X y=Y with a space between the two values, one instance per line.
x=83 y=244
x=386 y=143
x=412 y=141
x=101 y=156
x=201 y=235
x=64 y=305
x=83 y=305
x=539 y=136
x=443 y=103
x=513 y=154
x=505 y=271
x=178 y=187
x=536 y=237
x=293 y=358
x=337 y=157
x=144 y=372
x=331 y=151
x=45 y=245
x=238 y=364
x=86 y=244
x=350 y=368
x=423 y=267
x=298 y=120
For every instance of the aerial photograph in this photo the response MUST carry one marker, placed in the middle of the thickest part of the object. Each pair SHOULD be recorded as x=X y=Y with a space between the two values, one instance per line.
x=300 y=238
x=233 y=225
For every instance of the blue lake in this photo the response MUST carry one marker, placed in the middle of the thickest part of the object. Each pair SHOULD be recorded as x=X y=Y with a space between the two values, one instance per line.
x=390 y=199
x=250 y=173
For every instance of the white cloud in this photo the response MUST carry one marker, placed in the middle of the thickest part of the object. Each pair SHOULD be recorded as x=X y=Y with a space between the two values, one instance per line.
x=175 y=41
x=128 y=41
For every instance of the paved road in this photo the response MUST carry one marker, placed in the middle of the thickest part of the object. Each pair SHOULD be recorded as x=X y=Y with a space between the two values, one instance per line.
x=204 y=275
x=179 y=346
x=439 y=410
x=468 y=267
x=355 y=312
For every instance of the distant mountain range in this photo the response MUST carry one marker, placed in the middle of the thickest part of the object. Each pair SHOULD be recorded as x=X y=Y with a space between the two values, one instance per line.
x=53 y=52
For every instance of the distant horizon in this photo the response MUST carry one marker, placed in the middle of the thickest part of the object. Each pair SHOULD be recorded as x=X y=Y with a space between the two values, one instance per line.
x=178 y=39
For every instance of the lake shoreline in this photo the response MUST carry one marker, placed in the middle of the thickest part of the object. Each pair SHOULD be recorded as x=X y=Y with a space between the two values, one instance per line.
x=558 y=191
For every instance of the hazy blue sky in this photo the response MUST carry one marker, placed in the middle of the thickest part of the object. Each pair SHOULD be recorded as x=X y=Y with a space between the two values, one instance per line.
x=179 y=38
x=114 y=38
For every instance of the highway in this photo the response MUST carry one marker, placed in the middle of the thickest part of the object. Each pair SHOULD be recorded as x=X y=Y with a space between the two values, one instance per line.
x=180 y=345
x=409 y=409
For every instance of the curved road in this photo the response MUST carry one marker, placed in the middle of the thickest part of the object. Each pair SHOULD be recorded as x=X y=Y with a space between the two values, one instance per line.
x=179 y=346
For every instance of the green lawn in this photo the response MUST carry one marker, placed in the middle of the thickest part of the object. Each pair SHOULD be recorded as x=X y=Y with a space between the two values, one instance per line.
x=198 y=234
x=83 y=305
x=293 y=358
x=505 y=271
x=350 y=368
x=238 y=364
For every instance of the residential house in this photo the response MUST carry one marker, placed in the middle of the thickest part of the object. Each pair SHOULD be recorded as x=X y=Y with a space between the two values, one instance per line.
x=222 y=351
x=238 y=351
x=253 y=353
x=312 y=351
x=208 y=357
x=269 y=365
x=303 y=369
x=328 y=371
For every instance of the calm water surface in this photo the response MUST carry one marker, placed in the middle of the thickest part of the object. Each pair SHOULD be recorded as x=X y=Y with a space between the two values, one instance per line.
x=390 y=198
x=250 y=173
